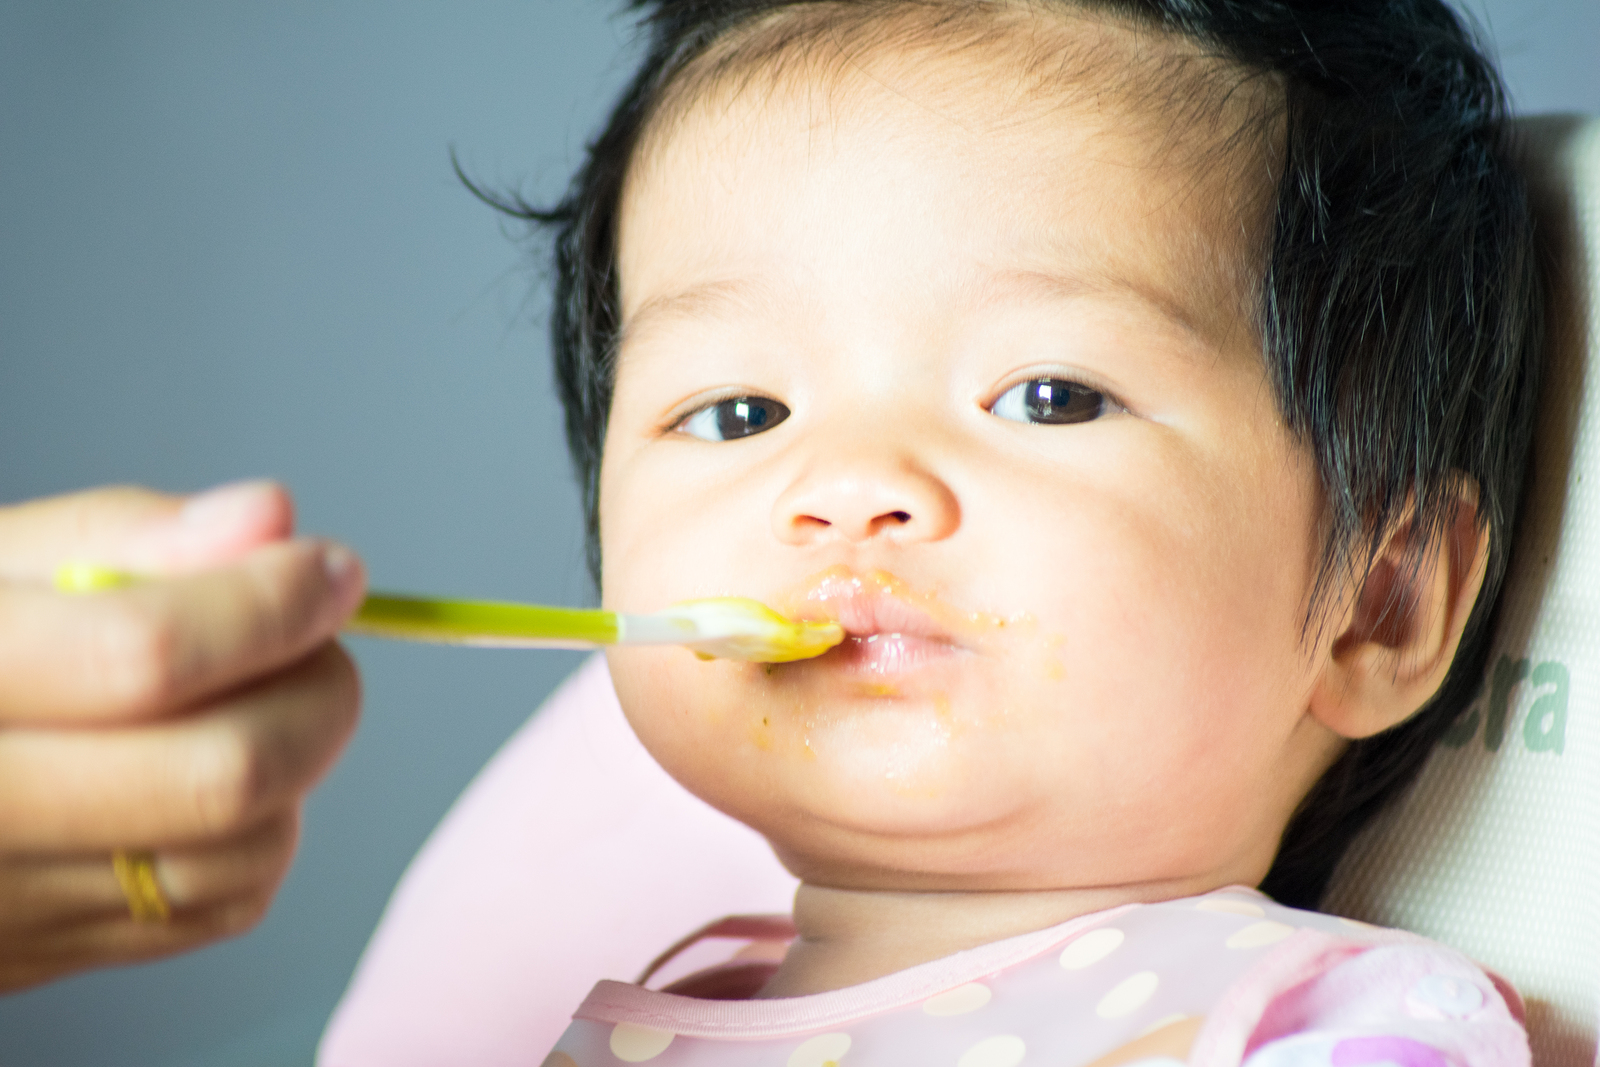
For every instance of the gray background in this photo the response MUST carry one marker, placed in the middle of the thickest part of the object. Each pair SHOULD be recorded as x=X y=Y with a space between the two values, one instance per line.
x=231 y=245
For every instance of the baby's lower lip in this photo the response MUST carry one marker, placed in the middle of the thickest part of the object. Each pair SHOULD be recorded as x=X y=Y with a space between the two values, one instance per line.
x=890 y=653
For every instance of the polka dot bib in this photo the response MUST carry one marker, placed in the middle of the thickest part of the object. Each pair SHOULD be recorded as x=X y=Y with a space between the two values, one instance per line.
x=1074 y=994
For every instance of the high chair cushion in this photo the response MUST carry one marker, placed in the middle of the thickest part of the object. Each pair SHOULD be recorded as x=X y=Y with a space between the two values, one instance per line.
x=1496 y=851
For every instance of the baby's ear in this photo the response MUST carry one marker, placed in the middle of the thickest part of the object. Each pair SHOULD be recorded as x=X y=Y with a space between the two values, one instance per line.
x=1400 y=634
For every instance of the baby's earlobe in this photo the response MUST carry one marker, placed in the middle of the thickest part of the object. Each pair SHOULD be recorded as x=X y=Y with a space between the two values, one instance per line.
x=1401 y=632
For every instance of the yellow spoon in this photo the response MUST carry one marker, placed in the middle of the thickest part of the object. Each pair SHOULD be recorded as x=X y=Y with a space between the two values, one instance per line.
x=718 y=628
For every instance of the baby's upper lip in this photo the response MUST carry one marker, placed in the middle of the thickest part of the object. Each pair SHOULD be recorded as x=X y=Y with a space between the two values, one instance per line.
x=866 y=610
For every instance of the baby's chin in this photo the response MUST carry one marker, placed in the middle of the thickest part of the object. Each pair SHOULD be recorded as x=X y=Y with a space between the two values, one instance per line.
x=919 y=753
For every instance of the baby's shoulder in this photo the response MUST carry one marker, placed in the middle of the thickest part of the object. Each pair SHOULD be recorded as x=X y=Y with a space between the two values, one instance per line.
x=1331 y=991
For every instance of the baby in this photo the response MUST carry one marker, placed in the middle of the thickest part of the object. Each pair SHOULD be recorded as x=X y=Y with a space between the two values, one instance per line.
x=1145 y=386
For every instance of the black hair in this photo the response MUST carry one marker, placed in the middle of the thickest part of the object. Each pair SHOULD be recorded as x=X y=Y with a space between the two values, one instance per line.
x=1400 y=304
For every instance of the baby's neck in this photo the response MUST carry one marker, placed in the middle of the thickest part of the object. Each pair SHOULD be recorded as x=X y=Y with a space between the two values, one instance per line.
x=846 y=937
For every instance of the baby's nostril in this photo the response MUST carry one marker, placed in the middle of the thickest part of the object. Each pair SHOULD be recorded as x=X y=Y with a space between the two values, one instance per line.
x=901 y=517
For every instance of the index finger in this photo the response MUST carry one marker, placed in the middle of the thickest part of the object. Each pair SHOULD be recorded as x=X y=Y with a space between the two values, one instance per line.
x=151 y=649
x=140 y=530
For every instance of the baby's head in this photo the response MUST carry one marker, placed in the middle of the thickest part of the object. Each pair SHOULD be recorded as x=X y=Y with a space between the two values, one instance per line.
x=1145 y=385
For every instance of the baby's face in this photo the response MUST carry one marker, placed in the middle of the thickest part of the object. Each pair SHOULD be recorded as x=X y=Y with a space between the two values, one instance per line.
x=965 y=365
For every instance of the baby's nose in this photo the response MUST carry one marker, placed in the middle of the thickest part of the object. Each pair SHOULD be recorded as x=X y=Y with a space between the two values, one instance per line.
x=862 y=500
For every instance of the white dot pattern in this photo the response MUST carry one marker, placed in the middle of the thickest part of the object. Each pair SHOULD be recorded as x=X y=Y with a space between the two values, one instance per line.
x=820 y=1051
x=959 y=1001
x=1164 y=1022
x=632 y=1043
x=1002 y=1050
x=1259 y=935
x=1128 y=996
x=1231 y=906
x=1091 y=948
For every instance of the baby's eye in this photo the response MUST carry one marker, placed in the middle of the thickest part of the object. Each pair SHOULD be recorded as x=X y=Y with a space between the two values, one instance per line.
x=734 y=418
x=1053 y=401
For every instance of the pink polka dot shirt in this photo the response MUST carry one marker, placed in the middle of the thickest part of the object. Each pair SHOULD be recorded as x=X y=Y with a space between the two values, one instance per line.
x=1259 y=984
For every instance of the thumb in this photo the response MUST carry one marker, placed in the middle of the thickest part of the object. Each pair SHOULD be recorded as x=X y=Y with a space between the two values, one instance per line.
x=139 y=530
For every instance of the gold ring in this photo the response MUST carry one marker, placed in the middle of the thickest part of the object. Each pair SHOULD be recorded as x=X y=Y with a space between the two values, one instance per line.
x=136 y=874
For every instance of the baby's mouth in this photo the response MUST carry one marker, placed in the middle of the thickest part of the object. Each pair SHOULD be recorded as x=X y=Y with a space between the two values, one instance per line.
x=890 y=652
x=884 y=635
x=889 y=629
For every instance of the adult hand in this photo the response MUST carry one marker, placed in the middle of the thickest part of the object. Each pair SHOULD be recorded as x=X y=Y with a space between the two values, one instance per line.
x=187 y=715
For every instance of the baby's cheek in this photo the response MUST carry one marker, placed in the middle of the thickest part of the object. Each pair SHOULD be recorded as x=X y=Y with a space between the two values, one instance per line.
x=696 y=719
x=658 y=698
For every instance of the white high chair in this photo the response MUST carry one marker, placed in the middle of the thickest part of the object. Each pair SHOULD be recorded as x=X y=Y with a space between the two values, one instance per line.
x=1496 y=851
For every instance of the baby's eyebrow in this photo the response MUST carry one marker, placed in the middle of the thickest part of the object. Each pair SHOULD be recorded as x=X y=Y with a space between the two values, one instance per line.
x=1033 y=284
x=730 y=298
x=714 y=299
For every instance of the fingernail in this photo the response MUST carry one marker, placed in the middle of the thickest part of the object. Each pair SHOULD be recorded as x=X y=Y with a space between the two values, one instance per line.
x=226 y=504
x=343 y=569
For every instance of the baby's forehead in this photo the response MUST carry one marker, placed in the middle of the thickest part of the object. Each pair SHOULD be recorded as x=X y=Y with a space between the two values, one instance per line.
x=1035 y=108
x=1039 y=58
